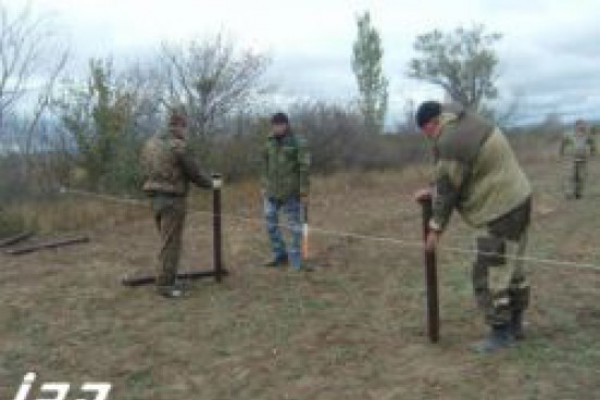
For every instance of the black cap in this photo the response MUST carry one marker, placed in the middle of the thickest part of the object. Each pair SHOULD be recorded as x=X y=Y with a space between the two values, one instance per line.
x=427 y=111
x=280 y=118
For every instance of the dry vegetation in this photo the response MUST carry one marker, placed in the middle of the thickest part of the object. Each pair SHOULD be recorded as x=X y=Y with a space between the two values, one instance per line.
x=351 y=330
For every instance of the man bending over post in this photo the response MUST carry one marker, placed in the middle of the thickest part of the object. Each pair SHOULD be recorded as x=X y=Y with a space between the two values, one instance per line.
x=477 y=174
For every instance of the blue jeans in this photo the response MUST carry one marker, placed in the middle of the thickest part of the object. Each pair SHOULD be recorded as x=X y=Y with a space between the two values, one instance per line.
x=293 y=210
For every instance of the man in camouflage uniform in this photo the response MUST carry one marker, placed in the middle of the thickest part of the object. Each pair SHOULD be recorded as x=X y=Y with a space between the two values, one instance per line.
x=285 y=181
x=169 y=168
x=477 y=174
x=579 y=146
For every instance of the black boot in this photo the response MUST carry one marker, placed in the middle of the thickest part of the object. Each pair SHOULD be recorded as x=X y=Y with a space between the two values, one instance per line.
x=516 y=325
x=500 y=337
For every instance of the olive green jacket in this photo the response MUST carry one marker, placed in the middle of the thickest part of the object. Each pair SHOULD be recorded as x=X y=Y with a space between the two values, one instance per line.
x=168 y=166
x=286 y=167
x=578 y=145
x=476 y=171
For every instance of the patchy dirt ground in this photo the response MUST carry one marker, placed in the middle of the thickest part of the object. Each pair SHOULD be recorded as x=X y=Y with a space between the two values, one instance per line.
x=353 y=329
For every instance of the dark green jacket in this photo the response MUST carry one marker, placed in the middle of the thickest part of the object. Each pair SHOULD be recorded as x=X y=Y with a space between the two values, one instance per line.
x=286 y=167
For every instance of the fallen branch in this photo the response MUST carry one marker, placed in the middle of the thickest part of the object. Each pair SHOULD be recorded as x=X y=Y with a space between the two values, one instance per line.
x=53 y=244
x=190 y=275
x=9 y=241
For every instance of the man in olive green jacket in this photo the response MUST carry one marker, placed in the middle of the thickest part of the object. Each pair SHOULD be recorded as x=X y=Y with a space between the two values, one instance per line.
x=477 y=174
x=169 y=168
x=579 y=146
x=286 y=184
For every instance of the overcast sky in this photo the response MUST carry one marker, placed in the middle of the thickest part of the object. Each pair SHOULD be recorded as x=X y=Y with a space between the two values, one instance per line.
x=550 y=53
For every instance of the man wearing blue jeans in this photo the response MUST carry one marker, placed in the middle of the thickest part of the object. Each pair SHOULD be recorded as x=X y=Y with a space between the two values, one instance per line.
x=286 y=183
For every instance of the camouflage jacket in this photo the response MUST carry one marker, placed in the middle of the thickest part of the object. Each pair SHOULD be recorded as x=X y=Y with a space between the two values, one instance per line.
x=579 y=145
x=168 y=166
x=476 y=171
x=286 y=167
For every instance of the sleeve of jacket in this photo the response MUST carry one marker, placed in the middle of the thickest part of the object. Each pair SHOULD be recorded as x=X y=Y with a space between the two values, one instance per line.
x=449 y=177
x=264 y=167
x=592 y=145
x=190 y=166
x=304 y=166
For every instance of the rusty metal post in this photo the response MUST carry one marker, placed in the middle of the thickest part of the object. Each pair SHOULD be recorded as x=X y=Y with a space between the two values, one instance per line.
x=431 y=278
x=217 y=228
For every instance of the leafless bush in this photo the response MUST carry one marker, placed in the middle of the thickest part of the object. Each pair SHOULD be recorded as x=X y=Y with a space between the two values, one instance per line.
x=339 y=141
x=212 y=78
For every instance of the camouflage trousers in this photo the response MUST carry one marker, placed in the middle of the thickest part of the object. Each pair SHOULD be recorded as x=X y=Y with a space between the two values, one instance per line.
x=169 y=215
x=578 y=178
x=499 y=275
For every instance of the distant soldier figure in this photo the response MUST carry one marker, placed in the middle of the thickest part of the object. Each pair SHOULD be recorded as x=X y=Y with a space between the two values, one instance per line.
x=169 y=168
x=477 y=174
x=579 y=146
x=286 y=182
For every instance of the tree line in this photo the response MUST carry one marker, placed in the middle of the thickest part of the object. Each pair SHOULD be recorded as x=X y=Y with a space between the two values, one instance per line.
x=57 y=129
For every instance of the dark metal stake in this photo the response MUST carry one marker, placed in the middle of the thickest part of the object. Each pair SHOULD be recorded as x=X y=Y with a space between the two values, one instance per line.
x=431 y=278
x=10 y=241
x=52 y=244
x=217 y=229
x=133 y=281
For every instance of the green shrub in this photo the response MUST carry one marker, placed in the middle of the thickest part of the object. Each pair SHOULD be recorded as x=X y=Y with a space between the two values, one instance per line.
x=10 y=223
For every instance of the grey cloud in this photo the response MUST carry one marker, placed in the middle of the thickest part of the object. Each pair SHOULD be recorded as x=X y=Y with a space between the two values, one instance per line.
x=557 y=82
x=552 y=57
x=321 y=76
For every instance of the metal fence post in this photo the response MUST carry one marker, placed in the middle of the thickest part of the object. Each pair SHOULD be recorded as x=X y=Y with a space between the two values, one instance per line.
x=217 y=229
x=431 y=278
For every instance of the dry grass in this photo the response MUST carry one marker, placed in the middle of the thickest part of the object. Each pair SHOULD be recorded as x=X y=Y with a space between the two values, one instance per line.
x=351 y=330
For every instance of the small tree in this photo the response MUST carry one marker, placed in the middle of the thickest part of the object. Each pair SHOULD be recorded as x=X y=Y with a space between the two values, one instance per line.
x=463 y=62
x=367 y=67
x=100 y=118
x=32 y=59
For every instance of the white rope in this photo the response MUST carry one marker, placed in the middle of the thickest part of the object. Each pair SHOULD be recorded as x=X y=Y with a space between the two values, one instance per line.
x=399 y=211
x=419 y=244
x=107 y=197
x=358 y=236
